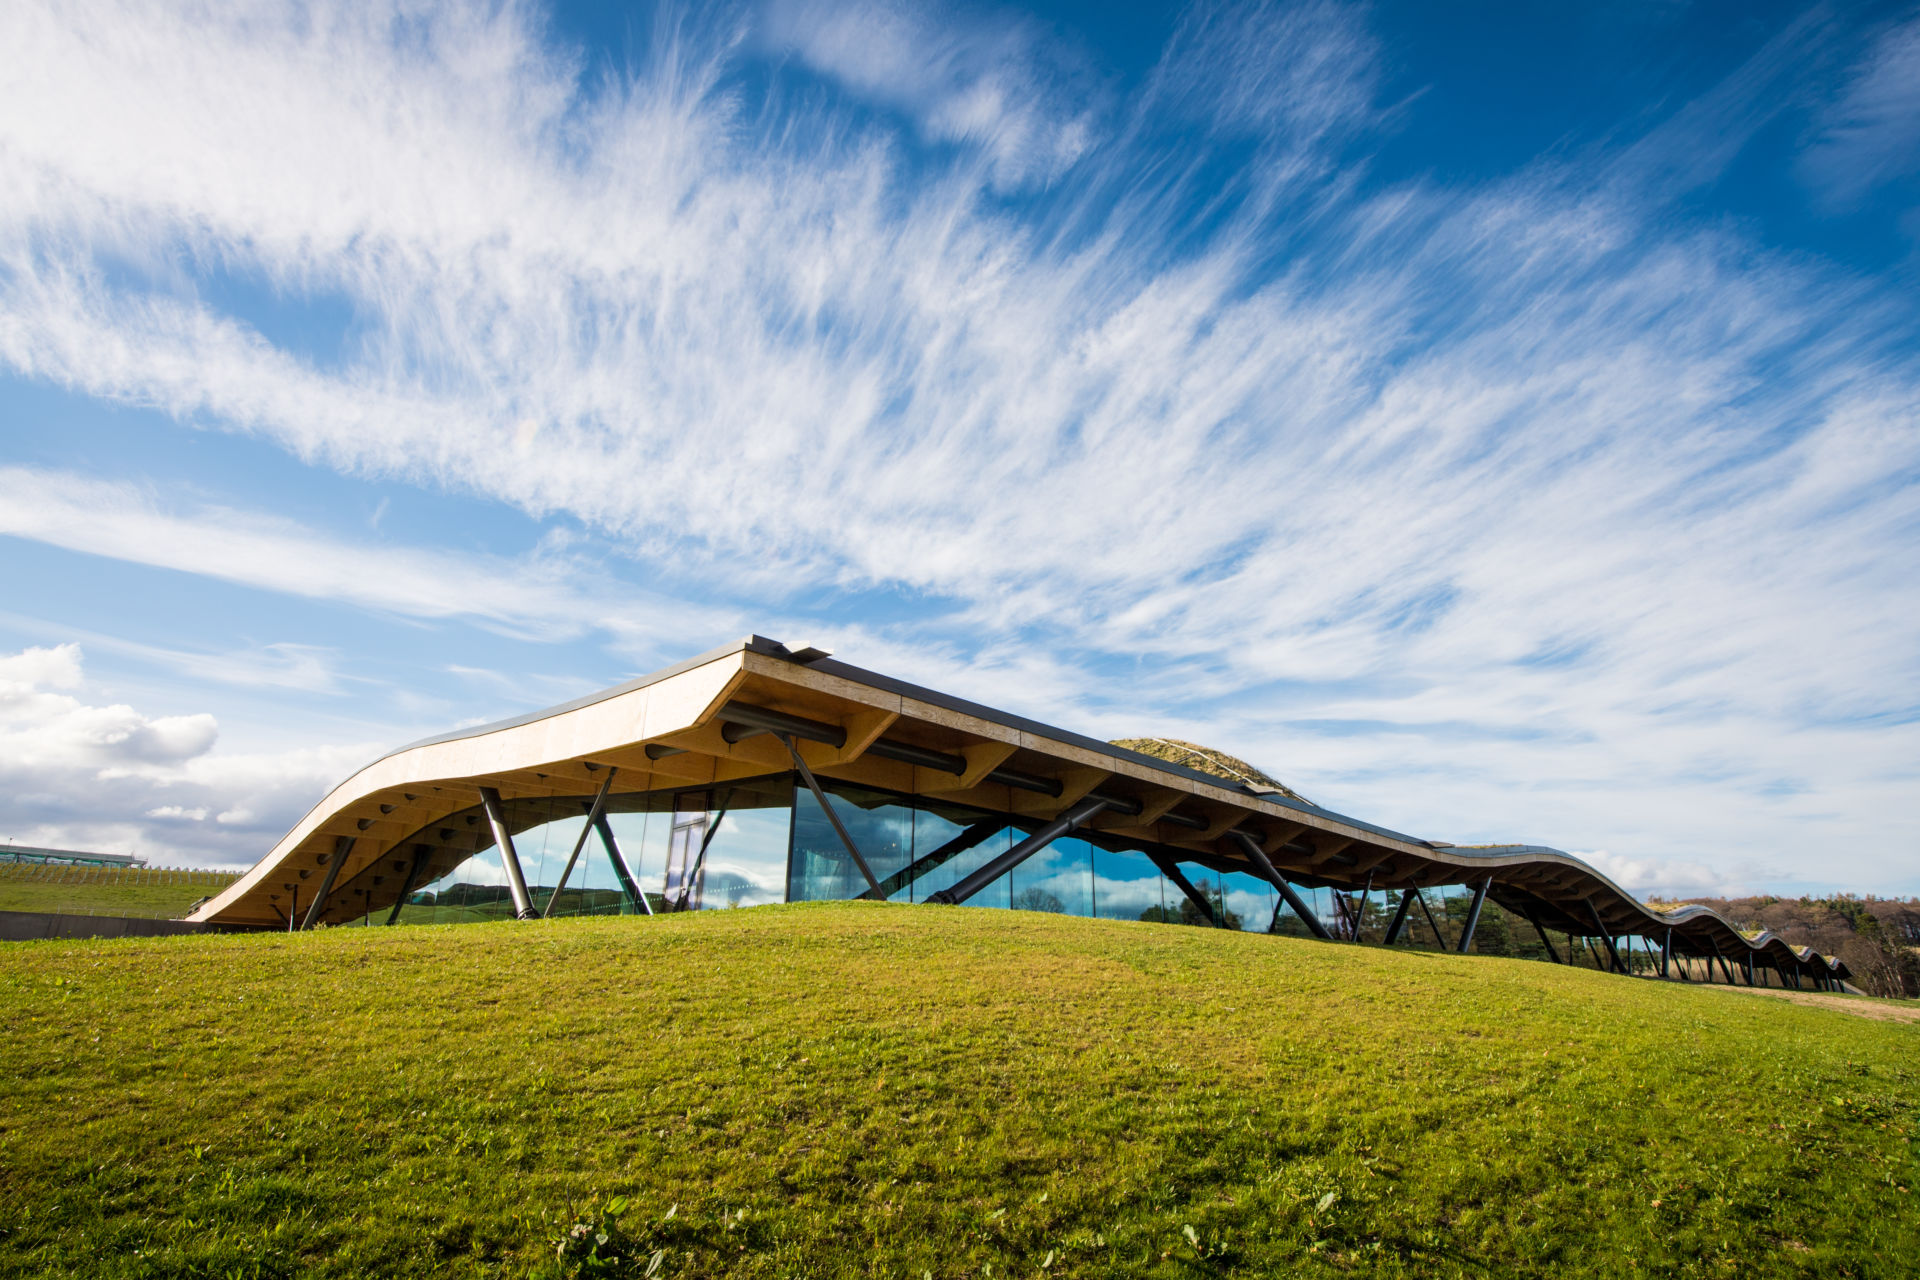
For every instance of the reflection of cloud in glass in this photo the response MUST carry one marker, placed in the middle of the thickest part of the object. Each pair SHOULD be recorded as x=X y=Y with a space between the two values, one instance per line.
x=1254 y=908
x=1068 y=887
x=731 y=889
x=747 y=861
x=1125 y=898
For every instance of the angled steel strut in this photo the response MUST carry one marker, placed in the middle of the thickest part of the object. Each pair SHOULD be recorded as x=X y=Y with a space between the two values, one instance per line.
x=593 y=816
x=1360 y=912
x=1473 y=914
x=516 y=880
x=690 y=878
x=1257 y=856
x=1607 y=938
x=1432 y=924
x=826 y=806
x=969 y=837
x=1399 y=919
x=1545 y=941
x=342 y=846
x=422 y=854
x=1200 y=901
x=621 y=871
x=997 y=867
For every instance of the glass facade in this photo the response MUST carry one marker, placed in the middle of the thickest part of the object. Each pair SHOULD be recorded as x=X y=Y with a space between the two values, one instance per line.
x=767 y=840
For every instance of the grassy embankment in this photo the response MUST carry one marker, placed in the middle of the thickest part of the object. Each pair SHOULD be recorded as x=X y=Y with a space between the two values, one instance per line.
x=106 y=891
x=870 y=1090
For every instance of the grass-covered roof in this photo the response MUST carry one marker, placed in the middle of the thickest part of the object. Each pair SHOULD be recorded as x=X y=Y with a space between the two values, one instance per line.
x=1207 y=760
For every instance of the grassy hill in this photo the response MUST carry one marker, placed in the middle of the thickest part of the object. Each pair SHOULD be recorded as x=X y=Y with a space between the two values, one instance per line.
x=106 y=891
x=830 y=1090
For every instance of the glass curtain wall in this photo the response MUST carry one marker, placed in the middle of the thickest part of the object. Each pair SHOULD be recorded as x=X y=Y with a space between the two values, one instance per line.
x=767 y=840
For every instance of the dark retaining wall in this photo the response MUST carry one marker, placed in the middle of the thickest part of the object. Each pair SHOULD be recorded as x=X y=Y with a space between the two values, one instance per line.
x=23 y=926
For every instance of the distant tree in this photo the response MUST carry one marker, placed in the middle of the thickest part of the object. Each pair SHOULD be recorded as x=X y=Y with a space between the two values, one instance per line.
x=1037 y=899
x=1187 y=913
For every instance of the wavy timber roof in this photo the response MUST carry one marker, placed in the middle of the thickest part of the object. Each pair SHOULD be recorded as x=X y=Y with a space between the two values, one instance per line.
x=757 y=710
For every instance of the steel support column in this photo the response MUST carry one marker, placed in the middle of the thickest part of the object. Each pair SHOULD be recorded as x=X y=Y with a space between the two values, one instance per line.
x=422 y=854
x=621 y=872
x=969 y=838
x=586 y=828
x=1258 y=856
x=342 y=846
x=1341 y=905
x=1400 y=919
x=1545 y=941
x=1473 y=915
x=1605 y=936
x=1432 y=924
x=1013 y=857
x=1360 y=912
x=826 y=806
x=1666 y=954
x=1172 y=872
x=516 y=879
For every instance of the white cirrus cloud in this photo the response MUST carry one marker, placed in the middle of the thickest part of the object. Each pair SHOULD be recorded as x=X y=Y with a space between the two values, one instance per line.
x=1870 y=133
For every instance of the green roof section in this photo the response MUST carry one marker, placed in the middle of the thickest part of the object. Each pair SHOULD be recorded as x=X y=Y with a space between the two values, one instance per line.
x=1208 y=760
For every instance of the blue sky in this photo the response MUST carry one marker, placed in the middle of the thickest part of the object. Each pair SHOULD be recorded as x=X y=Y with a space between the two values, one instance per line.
x=1502 y=426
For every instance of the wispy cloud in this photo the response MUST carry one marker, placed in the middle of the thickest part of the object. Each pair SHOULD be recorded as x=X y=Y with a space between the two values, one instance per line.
x=989 y=81
x=540 y=596
x=1870 y=134
x=1231 y=424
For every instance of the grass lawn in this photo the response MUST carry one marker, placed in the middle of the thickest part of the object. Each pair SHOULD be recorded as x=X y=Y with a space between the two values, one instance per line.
x=854 y=1090
x=107 y=891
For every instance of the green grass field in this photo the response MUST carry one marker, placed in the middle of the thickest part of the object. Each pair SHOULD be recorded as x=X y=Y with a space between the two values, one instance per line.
x=106 y=891
x=869 y=1090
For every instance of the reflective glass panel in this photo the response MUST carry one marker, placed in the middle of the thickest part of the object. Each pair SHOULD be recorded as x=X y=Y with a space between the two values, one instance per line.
x=1290 y=924
x=881 y=827
x=1250 y=901
x=949 y=842
x=474 y=890
x=686 y=842
x=1059 y=878
x=746 y=859
x=1127 y=886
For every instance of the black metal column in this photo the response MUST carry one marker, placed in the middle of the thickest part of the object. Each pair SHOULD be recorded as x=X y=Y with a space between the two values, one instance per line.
x=1258 y=856
x=1013 y=857
x=1360 y=911
x=690 y=880
x=422 y=853
x=621 y=872
x=503 y=839
x=1473 y=914
x=1545 y=941
x=342 y=846
x=586 y=828
x=1432 y=924
x=839 y=829
x=1172 y=872
x=1400 y=919
x=1606 y=936
x=969 y=838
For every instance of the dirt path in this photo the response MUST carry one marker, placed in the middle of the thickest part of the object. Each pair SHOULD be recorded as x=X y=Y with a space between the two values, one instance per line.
x=1859 y=1006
